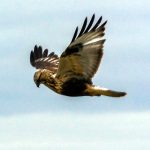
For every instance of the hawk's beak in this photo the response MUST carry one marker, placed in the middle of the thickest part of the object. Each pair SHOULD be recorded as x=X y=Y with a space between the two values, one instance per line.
x=38 y=84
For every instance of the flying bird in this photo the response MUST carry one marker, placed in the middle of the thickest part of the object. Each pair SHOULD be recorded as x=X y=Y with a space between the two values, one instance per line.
x=71 y=74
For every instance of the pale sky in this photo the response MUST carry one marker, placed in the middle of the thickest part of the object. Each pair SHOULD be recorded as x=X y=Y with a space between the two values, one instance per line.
x=83 y=122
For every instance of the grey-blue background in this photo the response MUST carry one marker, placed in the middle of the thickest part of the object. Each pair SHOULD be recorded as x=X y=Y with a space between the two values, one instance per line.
x=125 y=65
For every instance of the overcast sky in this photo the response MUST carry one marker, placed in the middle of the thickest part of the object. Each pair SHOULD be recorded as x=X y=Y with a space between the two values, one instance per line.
x=37 y=118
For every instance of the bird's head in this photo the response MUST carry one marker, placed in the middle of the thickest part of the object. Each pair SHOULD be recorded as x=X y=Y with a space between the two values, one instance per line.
x=43 y=76
x=38 y=77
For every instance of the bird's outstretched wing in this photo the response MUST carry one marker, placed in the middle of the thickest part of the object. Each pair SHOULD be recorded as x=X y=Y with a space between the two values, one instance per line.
x=82 y=57
x=42 y=60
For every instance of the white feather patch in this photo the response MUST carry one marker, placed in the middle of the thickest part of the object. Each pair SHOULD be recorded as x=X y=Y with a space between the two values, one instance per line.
x=45 y=59
x=104 y=89
x=92 y=41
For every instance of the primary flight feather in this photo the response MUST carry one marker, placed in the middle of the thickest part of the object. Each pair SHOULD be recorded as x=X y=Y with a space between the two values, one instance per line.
x=71 y=73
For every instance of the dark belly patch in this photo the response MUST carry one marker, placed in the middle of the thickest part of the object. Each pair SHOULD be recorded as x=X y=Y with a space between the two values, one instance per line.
x=74 y=87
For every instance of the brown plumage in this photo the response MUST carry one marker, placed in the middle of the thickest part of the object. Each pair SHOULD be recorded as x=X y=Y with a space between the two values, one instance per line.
x=72 y=73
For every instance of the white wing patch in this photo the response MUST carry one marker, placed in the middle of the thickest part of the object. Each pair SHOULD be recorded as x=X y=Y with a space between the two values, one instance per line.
x=45 y=59
x=92 y=41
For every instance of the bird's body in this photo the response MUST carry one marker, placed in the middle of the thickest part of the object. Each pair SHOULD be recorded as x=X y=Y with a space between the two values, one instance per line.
x=72 y=73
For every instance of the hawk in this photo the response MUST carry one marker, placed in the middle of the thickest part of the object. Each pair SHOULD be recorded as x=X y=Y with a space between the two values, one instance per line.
x=71 y=73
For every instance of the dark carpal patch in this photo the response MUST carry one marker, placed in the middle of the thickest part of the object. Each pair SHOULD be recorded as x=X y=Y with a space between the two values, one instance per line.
x=71 y=50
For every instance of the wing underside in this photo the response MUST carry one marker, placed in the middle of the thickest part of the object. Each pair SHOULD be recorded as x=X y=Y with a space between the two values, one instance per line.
x=42 y=60
x=82 y=57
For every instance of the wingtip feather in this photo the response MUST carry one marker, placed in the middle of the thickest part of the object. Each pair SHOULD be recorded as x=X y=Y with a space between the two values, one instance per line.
x=32 y=58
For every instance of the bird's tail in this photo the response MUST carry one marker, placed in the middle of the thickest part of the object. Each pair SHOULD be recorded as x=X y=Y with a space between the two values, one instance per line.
x=98 y=91
x=107 y=92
